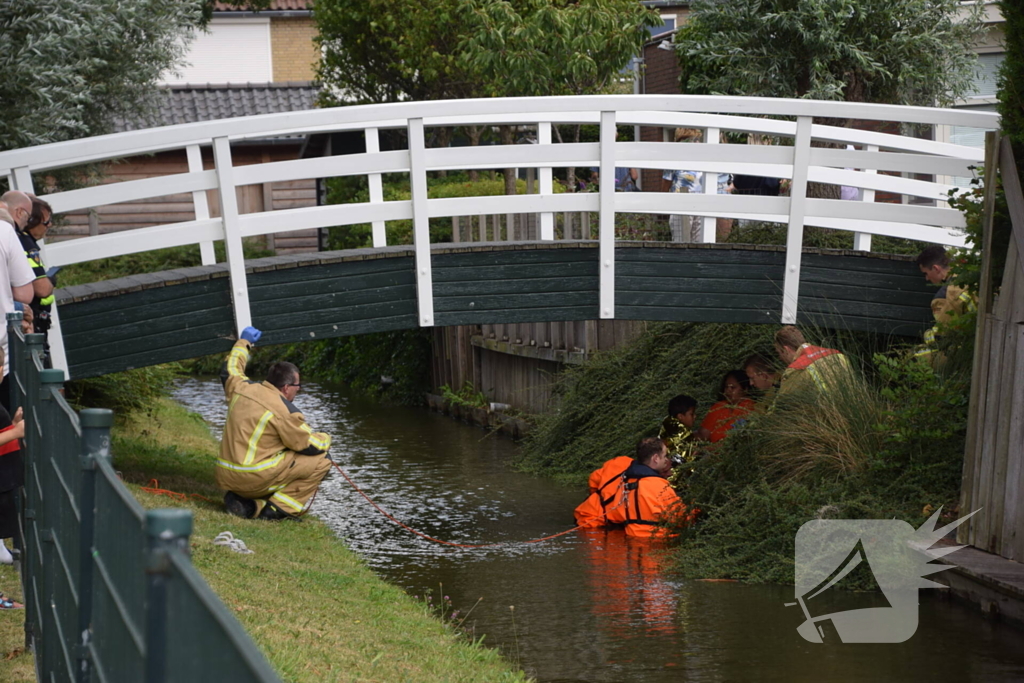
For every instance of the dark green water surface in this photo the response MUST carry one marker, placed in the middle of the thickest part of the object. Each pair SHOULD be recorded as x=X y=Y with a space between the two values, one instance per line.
x=583 y=607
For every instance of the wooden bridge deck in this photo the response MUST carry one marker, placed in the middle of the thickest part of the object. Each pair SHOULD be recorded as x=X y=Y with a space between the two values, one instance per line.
x=173 y=315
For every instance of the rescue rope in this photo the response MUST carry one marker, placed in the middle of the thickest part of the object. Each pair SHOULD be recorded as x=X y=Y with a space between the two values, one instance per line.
x=437 y=540
x=154 y=488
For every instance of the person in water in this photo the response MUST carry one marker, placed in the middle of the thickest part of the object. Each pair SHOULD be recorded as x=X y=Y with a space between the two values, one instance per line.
x=731 y=411
x=640 y=498
x=602 y=485
x=647 y=499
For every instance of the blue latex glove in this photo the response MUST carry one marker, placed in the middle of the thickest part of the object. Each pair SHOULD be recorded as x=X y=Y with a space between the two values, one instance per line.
x=52 y=272
x=251 y=335
x=18 y=306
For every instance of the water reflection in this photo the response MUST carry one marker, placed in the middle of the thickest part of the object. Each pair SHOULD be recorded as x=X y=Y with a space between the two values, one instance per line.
x=587 y=607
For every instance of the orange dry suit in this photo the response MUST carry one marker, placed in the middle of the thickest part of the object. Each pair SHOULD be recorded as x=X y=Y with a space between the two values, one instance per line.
x=603 y=483
x=267 y=451
x=824 y=367
x=643 y=500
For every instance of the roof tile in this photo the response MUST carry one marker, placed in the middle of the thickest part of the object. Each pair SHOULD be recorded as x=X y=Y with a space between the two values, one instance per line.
x=194 y=103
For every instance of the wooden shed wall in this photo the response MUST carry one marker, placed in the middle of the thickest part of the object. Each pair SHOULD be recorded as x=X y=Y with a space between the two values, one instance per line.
x=994 y=461
x=178 y=207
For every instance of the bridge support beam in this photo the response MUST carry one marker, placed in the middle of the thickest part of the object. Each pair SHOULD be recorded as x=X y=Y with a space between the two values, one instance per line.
x=232 y=232
x=797 y=211
x=421 y=223
x=606 y=226
x=202 y=206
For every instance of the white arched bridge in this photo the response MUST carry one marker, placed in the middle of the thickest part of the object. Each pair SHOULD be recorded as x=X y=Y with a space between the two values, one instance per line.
x=160 y=317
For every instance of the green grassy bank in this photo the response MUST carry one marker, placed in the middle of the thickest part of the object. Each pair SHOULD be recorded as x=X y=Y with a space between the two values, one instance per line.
x=311 y=605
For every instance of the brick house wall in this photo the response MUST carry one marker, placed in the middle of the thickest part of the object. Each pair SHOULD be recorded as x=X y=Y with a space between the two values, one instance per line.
x=293 y=50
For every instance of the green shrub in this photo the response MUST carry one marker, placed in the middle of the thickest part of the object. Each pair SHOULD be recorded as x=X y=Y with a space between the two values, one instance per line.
x=123 y=392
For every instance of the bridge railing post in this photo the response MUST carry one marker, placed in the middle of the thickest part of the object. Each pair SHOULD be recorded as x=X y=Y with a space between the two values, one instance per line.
x=797 y=211
x=376 y=184
x=606 y=231
x=232 y=231
x=547 y=218
x=862 y=240
x=709 y=233
x=200 y=202
x=420 y=222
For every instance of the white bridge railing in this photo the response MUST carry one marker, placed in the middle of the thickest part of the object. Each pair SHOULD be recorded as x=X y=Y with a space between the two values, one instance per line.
x=919 y=171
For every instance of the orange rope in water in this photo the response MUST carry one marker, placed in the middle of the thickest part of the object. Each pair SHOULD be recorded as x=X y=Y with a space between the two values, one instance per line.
x=437 y=540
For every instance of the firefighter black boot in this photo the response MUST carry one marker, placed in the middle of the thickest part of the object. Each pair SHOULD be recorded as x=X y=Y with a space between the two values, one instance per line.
x=238 y=506
x=273 y=513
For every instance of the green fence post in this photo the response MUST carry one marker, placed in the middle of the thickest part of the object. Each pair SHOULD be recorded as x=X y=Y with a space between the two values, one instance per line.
x=166 y=530
x=96 y=423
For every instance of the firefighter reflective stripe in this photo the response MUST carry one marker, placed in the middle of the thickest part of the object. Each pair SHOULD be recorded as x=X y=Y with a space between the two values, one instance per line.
x=265 y=465
x=968 y=302
x=316 y=441
x=257 y=434
x=288 y=500
x=234 y=399
x=930 y=334
x=820 y=380
x=237 y=360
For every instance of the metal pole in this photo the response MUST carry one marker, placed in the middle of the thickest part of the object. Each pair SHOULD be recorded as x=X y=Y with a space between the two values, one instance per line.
x=96 y=424
x=166 y=531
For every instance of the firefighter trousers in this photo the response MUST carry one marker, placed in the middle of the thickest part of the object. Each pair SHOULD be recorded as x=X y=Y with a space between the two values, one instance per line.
x=291 y=487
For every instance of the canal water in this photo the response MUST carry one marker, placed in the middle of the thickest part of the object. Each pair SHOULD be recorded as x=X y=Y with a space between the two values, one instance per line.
x=582 y=607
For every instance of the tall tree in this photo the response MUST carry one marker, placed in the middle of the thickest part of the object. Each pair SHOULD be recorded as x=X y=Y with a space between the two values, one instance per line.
x=1011 y=79
x=553 y=47
x=71 y=68
x=385 y=51
x=915 y=52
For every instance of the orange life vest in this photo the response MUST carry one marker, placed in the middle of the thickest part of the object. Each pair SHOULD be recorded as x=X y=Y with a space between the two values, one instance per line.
x=603 y=485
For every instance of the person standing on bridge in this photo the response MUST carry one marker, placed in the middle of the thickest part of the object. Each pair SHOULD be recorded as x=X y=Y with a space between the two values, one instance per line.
x=271 y=462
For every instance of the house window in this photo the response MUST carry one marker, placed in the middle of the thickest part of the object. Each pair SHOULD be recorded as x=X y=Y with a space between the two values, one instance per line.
x=233 y=51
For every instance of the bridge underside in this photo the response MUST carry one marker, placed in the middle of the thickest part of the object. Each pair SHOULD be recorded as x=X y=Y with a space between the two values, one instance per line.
x=174 y=315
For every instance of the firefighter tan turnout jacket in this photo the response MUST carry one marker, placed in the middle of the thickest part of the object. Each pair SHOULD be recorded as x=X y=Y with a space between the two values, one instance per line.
x=268 y=451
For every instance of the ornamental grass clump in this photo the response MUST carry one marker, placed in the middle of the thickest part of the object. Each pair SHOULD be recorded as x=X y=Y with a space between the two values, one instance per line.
x=822 y=434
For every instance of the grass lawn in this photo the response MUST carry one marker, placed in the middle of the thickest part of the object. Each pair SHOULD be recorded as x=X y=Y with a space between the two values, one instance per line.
x=317 y=612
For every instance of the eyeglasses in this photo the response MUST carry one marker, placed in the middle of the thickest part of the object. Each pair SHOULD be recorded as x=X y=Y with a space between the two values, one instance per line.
x=297 y=386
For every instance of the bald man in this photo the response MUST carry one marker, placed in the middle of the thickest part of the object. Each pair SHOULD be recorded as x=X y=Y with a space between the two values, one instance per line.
x=16 y=276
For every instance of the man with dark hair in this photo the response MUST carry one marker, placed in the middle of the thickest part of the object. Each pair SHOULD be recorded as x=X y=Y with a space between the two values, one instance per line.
x=806 y=363
x=677 y=429
x=949 y=300
x=640 y=498
x=271 y=462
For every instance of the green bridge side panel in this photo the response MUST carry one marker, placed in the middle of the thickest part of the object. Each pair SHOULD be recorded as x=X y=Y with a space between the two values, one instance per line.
x=145 y=327
x=521 y=283
x=855 y=291
x=695 y=283
x=160 y=317
x=334 y=299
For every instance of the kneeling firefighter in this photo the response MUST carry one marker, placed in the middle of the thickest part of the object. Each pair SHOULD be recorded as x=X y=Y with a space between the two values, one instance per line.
x=271 y=462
